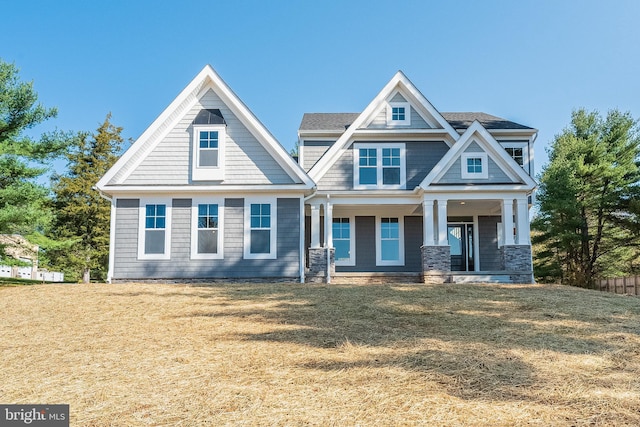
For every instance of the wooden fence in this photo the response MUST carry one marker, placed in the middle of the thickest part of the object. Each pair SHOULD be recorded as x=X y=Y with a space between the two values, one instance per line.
x=621 y=285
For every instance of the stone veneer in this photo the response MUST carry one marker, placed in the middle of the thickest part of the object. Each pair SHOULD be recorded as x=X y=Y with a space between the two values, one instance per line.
x=516 y=260
x=436 y=264
x=317 y=270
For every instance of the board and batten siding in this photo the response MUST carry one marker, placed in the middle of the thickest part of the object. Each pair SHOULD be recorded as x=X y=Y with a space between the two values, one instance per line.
x=366 y=247
x=246 y=160
x=181 y=266
x=312 y=151
x=421 y=157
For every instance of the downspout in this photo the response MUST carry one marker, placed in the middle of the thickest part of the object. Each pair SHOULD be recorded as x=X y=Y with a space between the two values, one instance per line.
x=327 y=230
x=112 y=233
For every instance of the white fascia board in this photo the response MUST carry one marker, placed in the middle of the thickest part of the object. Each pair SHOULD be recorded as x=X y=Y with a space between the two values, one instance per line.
x=466 y=191
x=186 y=190
x=192 y=88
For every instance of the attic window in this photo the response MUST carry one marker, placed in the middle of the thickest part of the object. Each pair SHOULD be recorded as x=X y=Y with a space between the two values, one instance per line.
x=399 y=113
x=475 y=166
x=208 y=142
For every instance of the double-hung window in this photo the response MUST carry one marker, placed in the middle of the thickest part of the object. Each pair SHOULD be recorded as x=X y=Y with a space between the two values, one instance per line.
x=208 y=152
x=343 y=236
x=260 y=228
x=379 y=166
x=154 y=232
x=474 y=165
x=389 y=241
x=206 y=228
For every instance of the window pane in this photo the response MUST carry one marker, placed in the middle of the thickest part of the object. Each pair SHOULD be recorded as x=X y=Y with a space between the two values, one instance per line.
x=266 y=209
x=255 y=222
x=455 y=240
x=342 y=249
x=368 y=176
x=154 y=242
x=202 y=210
x=208 y=158
x=212 y=222
x=260 y=241
x=255 y=209
x=391 y=176
x=150 y=222
x=390 y=250
x=160 y=210
x=151 y=210
x=207 y=242
x=160 y=222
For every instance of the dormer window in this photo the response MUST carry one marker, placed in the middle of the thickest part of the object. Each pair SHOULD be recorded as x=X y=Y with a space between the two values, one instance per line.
x=399 y=113
x=379 y=166
x=209 y=133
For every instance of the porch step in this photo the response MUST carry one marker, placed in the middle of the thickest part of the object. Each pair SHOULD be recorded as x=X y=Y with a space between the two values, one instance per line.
x=480 y=278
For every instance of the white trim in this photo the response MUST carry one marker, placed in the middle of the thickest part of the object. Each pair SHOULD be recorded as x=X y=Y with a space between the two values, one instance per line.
x=142 y=227
x=484 y=166
x=379 y=147
x=379 y=261
x=301 y=239
x=208 y=173
x=407 y=114
x=273 y=202
x=194 y=227
x=112 y=240
x=135 y=190
x=351 y=261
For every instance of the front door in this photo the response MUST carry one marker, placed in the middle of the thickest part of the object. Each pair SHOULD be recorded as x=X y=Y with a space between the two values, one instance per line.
x=461 y=243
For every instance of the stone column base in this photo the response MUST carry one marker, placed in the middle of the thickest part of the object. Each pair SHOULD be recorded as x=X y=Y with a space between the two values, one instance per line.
x=516 y=260
x=317 y=271
x=436 y=264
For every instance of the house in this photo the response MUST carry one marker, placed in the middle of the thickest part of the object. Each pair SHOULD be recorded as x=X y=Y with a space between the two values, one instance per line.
x=19 y=248
x=399 y=191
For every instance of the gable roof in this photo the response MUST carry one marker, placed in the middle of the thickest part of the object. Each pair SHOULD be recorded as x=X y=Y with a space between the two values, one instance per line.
x=206 y=80
x=476 y=132
x=340 y=121
x=398 y=83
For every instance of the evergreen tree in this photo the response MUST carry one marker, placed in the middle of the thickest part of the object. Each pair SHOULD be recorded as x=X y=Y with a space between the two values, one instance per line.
x=24 y=203
x=584 y=199
x=82 y=215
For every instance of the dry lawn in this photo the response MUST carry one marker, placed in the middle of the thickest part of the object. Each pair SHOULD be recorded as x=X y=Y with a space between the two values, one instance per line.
x=291 y=354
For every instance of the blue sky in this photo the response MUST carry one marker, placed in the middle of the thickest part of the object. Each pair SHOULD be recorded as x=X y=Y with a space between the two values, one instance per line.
x=532 y=62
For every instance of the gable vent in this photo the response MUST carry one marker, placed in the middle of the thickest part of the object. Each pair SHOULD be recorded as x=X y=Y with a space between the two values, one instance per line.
x=211 y=116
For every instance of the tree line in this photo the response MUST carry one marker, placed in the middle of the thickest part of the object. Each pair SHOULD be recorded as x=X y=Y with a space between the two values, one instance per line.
x=67 y=219
x=586 y=222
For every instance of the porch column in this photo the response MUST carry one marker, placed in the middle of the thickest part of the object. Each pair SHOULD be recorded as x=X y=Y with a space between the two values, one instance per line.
x=507 y=221
x=328 y=225
x=522 y=216
x=315 y=225
x=428 y=237
x=442 y=223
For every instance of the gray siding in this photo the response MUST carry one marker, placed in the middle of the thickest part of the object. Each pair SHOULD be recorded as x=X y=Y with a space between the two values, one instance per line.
x=246 y=160
x=312 y=151
x=366 y=247
x=340 y=175
x=421 y=158
x=180 y=266
x=490 y=259
x=454 y=174
x=380 y=120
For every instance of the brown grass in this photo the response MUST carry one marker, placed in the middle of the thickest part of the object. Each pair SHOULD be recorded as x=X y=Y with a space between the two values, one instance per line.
x=291 y=354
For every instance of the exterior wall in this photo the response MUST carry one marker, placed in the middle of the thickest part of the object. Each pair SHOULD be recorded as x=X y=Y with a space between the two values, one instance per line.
x=454 y=175
x=421 y=157
x=127 y=266
x=246 y=160
x=380 y=121
x=490 y=254
x=366 y=247
x=312 y=151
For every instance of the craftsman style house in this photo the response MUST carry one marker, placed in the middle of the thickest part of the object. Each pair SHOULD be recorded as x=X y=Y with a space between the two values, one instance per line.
x=399 y=191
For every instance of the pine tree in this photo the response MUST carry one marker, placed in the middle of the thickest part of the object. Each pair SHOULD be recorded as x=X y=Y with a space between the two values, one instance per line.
x=584 y=198
x=82 y=215
x=25 y=206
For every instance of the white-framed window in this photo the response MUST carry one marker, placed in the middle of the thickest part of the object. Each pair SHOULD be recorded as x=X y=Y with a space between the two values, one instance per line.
x=260 y=228
x=474 y=166
x=208 y=152
x=399 y=113
x=207 y=219
x=519 y=152
x=154 y=229
x=379 y=166
x=389 y=240
x=344 y=240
